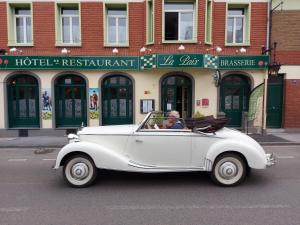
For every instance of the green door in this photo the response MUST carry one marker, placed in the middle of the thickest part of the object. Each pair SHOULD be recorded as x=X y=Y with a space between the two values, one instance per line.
x=177 y=95
x=275 y=101
x=23 y=102
x=117 y=100
x=235 y=91
x=70 y=101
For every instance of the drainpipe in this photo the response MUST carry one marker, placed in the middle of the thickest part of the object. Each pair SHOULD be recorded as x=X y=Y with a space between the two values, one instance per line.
x=268 y=44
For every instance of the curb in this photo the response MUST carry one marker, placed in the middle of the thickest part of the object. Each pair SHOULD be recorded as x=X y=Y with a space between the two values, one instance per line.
x=279 y=143
x=33 y=146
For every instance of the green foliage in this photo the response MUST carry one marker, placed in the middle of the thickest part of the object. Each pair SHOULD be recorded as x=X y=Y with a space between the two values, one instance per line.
x=198 y=115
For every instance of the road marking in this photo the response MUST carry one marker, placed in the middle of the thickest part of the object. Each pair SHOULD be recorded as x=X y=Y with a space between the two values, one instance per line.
x=286 y=157
x=180 y=207
x=17 y=160
x=49 y=159
x=13 y=209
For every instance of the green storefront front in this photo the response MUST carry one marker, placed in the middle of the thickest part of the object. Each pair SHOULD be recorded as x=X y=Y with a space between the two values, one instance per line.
x=73 y=103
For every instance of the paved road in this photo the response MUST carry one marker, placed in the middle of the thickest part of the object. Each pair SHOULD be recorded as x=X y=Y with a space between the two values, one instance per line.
x=31 y=193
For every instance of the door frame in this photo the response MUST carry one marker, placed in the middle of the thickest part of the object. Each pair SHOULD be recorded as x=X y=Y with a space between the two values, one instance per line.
x=229 y=73
x=131 y=78
x=6 y=110
x=54 y=78
x=177 y=73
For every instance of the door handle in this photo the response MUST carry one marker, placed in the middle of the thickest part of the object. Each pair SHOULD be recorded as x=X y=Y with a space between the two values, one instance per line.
x=138 y=141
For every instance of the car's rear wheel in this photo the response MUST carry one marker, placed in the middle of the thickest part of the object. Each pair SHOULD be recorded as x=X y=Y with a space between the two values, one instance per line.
x=79 y=171
x=229 y=169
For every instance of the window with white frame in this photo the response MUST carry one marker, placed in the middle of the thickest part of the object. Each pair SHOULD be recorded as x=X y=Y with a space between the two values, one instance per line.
x=236 y=26
x=150 y=22
x=70 y=27
x=23 y=29
x=179 y=21
x=117 y=26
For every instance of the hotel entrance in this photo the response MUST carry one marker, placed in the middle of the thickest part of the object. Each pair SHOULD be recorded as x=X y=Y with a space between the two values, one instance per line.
x=70 y=101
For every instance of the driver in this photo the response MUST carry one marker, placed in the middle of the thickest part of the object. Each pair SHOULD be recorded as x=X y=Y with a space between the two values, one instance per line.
x=173 y=121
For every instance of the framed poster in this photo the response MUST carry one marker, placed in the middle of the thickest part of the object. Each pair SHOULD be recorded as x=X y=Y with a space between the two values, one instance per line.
x=147 y=105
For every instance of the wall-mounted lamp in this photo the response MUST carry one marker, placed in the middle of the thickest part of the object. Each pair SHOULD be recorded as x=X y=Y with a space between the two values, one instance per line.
x=115 y=51
x=243 y=50
x=145 y=50
x=15 y=51
x=218 y=49
x=65 y=51
x=181 y=48
x=274 y=66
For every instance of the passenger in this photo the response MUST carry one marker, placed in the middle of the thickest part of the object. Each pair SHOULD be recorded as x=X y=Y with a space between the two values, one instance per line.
x=173 y=121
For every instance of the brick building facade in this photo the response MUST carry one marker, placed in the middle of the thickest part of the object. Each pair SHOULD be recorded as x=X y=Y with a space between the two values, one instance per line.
x=286 y=32
x=108 y=62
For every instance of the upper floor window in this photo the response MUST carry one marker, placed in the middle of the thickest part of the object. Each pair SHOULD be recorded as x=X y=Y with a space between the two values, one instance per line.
x=179 y=21
x=67 y=27
x=22 y=25
x=208 y=22
x=116 y=26
x=238 y=27
x=150 y=21
x=70 y=29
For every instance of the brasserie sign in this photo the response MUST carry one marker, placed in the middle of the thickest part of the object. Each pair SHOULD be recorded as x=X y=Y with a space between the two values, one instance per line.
x=132 y=62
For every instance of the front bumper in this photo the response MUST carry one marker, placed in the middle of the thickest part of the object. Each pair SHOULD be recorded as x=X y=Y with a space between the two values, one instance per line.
x=271 y=159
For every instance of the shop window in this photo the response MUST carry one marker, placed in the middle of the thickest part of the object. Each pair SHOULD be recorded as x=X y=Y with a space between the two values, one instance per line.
x=20 y=24
x=150 y=21
x=116 y=25
x=237 y=25
x=179 y=21
x=208 y=22
x=68 y=24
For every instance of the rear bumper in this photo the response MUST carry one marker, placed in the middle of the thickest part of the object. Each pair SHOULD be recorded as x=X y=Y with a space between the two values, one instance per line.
x=271 y=159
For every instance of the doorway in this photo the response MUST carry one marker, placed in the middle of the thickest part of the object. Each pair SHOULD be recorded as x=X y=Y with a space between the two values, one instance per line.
x=117 y=100
x=70 y=101
x=23 y=101
x=234 y=96
x=275 y=101
x=176 y=93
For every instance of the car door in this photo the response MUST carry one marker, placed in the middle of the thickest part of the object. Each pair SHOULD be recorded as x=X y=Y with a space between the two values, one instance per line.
x=161 y=148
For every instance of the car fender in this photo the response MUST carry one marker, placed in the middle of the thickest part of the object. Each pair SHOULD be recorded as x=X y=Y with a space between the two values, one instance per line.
x=102 y=157
x=253 y=152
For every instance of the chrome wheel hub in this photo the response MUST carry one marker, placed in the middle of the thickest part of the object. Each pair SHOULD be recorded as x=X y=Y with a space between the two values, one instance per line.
x=79 y=171
x=228 y=170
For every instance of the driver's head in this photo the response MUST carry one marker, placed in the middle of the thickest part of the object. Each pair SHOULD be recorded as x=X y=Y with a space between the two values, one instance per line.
x=173 y=116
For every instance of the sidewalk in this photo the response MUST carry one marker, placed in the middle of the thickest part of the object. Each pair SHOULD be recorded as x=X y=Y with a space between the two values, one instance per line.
x=58 y=142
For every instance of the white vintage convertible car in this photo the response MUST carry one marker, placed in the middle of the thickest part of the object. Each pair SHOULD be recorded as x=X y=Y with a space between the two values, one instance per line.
x=149 y=148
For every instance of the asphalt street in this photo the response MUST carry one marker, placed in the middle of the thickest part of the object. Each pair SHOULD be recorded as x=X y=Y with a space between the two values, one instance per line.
x=32 y=193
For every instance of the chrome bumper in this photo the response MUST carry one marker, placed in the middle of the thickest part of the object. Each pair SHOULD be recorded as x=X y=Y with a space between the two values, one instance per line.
x=271 y=159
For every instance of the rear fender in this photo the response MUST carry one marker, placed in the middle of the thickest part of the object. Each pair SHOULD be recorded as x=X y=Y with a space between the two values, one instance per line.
x=254 y=154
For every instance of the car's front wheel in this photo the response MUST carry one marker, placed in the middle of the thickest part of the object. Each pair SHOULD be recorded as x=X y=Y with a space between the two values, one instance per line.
x=79 y=171
x=229 y=169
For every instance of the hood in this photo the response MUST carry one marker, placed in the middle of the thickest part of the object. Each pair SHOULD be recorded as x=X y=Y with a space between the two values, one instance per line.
x=114 y=129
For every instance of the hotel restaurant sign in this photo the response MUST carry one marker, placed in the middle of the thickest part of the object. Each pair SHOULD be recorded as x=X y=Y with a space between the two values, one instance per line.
x=153 y=61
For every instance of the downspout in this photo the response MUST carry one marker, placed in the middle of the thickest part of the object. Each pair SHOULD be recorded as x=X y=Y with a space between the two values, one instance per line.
x=268 y=44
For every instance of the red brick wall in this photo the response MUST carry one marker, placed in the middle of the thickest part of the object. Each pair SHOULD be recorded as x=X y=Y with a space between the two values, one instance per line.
x=92 y=30
x=292 y=103
x=3 y=25
x=286 y=32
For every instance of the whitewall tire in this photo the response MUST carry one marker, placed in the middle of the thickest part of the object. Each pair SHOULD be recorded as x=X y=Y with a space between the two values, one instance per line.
x=79 y=171
x=229 y=170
